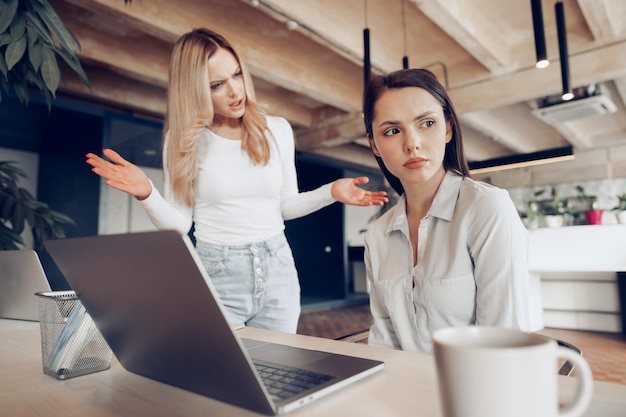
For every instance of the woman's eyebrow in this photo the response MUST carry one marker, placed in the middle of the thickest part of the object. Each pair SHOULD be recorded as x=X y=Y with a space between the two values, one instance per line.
x=395 y=122
x=237 y=70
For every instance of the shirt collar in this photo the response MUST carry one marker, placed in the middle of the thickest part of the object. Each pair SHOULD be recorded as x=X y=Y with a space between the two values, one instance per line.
x=447 y=195
x=442 y=207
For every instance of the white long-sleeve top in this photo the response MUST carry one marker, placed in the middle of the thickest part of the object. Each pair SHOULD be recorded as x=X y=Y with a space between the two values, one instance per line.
x=472 y=266
x=238 y=202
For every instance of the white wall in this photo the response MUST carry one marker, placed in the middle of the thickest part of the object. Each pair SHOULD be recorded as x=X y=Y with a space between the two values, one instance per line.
x=356 y=219
x=121 y=213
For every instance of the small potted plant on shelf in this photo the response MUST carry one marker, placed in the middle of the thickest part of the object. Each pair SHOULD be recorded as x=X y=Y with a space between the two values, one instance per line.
x=552 y=209
x=588 y=205
x=620 y=209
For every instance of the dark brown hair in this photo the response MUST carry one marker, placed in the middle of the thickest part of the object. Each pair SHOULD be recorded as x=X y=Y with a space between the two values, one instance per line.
x=454 y=157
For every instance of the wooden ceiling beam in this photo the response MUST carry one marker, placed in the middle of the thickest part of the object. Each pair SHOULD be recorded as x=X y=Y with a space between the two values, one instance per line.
x=314 y=77
x=140 y=57
x=530 y=83
x=146 y=59
x=603 y=21
x=271 y=51
x=337 y=132
x=115 y=90
x=471 y=29
x=350 y=155
x=524 y=85
x=620 y=85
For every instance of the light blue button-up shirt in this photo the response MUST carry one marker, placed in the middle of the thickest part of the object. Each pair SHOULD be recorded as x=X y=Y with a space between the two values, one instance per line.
x=472 y=266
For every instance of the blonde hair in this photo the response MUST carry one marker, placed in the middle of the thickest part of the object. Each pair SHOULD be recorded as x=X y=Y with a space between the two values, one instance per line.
x=190 y=110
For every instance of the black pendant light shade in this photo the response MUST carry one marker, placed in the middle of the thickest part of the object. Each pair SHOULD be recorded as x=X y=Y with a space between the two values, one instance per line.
x=522 y=160
x=564 y=55
x=367 y=66
x=405 y=58
x=540 y=37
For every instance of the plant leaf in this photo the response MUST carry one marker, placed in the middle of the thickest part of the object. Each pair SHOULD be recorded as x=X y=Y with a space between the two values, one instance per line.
x=15 y=51
x=74 y=65
x=5 y=39
x=19 y=86
x=44 y=222
x=18 y=27
x=9 y=239
x=39 y=26
x=3 y=66
x=9 y=169
x=57 y=28
x=7 y=207
x=18 y=218
x=7 y=14
x=50 y=70
x=34 y=48
x=35 y=55
x=67 y=55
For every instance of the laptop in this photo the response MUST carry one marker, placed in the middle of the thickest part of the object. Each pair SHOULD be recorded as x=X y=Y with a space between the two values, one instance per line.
x=153 y=302
x=21 y=276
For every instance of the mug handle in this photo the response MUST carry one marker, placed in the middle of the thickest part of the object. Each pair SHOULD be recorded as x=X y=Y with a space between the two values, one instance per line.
x=584 y=387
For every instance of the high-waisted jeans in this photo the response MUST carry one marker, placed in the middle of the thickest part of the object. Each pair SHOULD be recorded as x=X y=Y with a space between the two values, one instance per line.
x=257 y=283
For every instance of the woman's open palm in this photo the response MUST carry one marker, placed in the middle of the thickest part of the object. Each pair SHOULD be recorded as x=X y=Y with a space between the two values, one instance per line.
x=120 y=174
x=346 y=191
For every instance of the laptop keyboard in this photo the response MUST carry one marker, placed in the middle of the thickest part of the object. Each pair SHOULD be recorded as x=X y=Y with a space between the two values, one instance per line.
x=283 y=382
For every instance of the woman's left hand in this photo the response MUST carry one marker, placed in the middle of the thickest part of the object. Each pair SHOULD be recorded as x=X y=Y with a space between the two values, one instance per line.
x=346 y=191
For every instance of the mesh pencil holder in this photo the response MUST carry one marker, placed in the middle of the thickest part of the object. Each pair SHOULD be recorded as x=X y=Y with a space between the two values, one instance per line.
x=71 y=345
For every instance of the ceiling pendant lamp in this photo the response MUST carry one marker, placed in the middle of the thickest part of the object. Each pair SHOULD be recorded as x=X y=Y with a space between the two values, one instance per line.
x=564 y=56
x=540 y=37
x=405 y=58
x=367 y=65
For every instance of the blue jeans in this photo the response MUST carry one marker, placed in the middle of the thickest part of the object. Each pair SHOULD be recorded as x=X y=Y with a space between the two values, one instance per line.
x=257 y=283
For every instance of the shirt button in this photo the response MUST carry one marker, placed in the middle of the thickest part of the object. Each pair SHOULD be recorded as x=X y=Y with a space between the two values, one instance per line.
x=257 y=260
x=259 y=281
x=259 y=270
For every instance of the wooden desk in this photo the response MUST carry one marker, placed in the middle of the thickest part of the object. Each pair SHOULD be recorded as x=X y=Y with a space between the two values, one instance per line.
x=407 y=385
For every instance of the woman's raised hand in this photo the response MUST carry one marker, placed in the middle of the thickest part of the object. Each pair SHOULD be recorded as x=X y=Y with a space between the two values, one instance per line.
x=346 y=191
x=120 y=174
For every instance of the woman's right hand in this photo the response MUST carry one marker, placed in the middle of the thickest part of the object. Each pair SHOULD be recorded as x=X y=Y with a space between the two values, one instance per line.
x=121 y=174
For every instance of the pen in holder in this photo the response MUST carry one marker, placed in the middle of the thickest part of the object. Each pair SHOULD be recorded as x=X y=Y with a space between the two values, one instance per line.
x=71 y=345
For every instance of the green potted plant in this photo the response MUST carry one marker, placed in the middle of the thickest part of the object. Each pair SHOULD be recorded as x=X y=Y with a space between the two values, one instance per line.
x=588 y=205
x=18 y=208
x=532 y=215
x=620 y=209
x=551 y=210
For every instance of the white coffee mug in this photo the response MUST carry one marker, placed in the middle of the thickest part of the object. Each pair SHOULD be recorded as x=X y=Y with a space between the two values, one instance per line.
x=499 y=372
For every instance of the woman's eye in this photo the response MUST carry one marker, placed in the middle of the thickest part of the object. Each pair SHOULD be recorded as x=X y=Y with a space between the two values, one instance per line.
x=427 y=123
x=239 y=73
x=215 y=86
x=392 y=131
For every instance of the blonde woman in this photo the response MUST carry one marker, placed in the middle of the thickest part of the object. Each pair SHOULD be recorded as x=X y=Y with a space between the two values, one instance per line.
x=229 y=169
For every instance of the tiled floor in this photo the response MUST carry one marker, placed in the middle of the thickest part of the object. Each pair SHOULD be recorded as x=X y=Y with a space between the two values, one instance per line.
x=605 y=352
